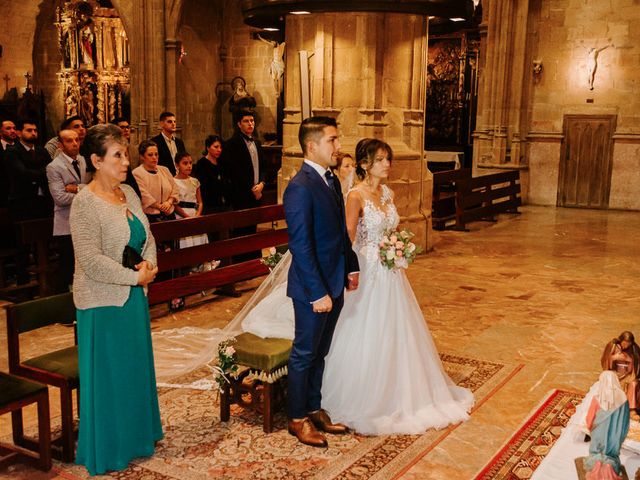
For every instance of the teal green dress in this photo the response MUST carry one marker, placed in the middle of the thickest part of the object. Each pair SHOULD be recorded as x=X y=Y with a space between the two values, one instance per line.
x=119 y=413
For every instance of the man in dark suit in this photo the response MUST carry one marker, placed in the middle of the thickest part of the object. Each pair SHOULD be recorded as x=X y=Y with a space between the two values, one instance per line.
x=322 y=265
x=168 y=144
x=243 y=164
x=8 y=137
x=29 y=196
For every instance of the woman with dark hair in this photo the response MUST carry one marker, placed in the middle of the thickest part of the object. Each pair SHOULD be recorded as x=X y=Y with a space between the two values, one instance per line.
x=158 y=189
x=214 y=183
x=115 y=260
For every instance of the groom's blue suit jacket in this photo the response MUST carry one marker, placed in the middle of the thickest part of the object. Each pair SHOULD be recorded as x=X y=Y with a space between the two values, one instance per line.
x=321 y=250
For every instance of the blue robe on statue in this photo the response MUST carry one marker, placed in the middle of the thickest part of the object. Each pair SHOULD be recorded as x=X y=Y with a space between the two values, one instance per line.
x=607 y=434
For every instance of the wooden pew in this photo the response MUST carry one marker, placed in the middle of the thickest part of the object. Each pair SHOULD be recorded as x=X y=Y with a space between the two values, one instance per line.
x=483 y=198
x=444 y=196
x=174 y=260
x=459 y=198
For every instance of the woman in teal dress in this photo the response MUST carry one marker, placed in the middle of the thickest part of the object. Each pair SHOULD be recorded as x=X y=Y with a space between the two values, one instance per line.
x=119 y=413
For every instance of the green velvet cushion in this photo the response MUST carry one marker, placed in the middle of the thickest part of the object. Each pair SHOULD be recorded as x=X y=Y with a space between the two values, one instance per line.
x=15 y=388
x=63 y=362
x=266 y=354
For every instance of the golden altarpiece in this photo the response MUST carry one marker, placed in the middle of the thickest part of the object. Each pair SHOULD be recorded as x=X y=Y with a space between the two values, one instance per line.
x=95 y=60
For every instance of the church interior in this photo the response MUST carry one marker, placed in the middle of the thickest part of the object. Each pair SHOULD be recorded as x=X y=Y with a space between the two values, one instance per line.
x=516 y=164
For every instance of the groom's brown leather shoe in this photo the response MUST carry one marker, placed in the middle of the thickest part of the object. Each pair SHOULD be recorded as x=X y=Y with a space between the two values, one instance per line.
x=322 y=421
x=307 y=433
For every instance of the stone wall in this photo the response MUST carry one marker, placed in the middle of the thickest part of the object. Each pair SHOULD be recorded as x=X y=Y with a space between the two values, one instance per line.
x=17 y=43
x=561 y=33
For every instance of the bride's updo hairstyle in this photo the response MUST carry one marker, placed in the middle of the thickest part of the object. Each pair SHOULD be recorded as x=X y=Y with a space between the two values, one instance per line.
x=366 y=151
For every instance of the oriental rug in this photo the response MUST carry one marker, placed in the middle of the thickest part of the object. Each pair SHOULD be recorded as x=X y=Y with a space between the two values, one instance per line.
x=198 y=446
x=523 y=452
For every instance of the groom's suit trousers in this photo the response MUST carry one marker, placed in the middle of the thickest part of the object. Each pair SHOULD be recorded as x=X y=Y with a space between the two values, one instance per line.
x=311 y=344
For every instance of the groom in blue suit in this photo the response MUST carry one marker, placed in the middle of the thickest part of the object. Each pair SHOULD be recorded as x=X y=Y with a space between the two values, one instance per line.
x=323 y=264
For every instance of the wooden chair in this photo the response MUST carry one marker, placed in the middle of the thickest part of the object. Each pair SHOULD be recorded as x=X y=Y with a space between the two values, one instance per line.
x=16 y=393
x=58 y=368
x=260 y=383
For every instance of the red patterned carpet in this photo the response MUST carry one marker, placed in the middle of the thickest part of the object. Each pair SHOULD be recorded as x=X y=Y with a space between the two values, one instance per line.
x=524 y=451
x=197 y=445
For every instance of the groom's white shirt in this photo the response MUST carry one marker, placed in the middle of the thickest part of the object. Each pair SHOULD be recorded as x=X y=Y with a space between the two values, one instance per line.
x=318 y=168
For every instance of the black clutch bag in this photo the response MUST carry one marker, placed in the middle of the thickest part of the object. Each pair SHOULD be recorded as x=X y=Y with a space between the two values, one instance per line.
x=131 y=258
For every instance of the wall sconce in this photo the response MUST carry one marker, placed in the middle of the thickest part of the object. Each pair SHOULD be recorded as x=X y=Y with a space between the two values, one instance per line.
x=537 y=69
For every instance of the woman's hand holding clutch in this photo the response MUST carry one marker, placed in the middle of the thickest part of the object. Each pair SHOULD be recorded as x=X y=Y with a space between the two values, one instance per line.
x=146 y=274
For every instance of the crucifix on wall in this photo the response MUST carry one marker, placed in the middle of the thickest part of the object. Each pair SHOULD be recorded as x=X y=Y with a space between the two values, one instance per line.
x=28 y=77
x=592 y=63
x=6 y=79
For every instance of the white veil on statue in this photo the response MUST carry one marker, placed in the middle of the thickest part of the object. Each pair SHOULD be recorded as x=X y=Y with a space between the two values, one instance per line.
x=181 y=350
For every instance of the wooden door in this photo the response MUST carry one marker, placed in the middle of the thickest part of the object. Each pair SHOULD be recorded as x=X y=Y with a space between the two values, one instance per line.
x=585 y=161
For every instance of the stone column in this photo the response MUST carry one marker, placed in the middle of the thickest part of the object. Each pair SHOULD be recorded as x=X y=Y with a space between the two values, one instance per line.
x=368 y=72
x=148 y=88
x=499 y=139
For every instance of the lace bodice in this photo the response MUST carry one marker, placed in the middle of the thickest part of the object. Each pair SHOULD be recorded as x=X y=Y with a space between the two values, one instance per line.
x=374 y=222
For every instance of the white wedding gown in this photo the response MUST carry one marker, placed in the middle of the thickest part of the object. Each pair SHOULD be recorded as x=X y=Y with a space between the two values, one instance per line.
x=383 y=374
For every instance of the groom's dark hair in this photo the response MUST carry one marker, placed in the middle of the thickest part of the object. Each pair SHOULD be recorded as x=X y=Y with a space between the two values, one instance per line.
x=312 y=128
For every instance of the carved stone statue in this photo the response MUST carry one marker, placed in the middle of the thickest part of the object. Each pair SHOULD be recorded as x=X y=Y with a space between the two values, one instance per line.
x=276 y=68
x=241 y=100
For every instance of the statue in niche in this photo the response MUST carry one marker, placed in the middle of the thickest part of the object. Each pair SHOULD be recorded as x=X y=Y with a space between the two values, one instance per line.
x=276 y=68
x=86 y=36
x=70 y=103
x=622 y=355
x=592 y=63
x=240 y=100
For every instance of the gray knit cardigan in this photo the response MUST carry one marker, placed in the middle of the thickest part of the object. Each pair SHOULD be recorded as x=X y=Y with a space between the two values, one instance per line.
x=100 y=231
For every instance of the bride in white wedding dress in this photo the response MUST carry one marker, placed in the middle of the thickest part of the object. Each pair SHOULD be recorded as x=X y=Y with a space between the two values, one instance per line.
x=383 y=374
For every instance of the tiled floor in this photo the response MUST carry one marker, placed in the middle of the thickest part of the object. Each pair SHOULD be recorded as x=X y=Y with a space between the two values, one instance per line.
x=546 y=289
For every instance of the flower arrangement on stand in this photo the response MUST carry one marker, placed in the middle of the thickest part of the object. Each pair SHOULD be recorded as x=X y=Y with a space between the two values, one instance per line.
x=272 y=259
x=397 y=250
x=227 y=365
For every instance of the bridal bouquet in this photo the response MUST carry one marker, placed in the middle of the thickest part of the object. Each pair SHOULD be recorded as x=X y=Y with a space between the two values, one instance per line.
x=397 y=250
x=272 y=259
x=226 y=363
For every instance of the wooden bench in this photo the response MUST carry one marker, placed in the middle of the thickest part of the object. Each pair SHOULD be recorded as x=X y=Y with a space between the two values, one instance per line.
x=16 y=393
x=175 y=260
x=459 y=198
x=483 y=198
x=262 y=362
x=444 y=196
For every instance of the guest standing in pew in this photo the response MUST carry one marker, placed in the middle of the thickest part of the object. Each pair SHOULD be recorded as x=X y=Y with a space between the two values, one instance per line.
x=215 y=188
x=115 y=260
x=159 y=195
x=158 y=188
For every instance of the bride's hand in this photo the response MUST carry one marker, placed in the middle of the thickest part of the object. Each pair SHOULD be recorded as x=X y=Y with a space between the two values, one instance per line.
x=323 y=305
x=354 y=279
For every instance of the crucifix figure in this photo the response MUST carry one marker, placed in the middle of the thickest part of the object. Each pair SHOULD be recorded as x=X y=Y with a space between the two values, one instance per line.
x=592 y=63
x=6 y=79
x=28 y=77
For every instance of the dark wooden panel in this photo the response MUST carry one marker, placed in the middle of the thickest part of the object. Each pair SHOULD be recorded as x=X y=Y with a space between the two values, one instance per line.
x=178 y=287
x=217 y=222
x=586 y=160
x=192 y=256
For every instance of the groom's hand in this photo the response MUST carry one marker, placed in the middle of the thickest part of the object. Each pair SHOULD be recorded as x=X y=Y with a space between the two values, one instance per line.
x=354 y=279
x=323 y=305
